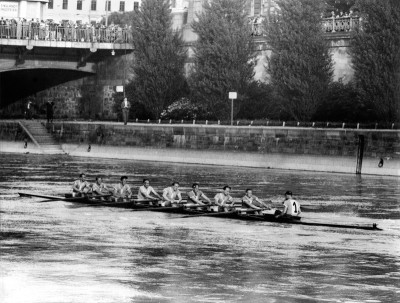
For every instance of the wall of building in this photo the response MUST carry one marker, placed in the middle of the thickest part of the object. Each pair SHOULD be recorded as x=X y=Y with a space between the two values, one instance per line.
x=23 y=9
x=86 y=14
x=339 y=48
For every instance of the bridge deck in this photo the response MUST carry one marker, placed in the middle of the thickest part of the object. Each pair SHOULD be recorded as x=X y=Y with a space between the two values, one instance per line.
x=65 y=44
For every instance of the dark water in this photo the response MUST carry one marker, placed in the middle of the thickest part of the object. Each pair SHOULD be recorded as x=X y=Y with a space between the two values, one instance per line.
x=52 y=253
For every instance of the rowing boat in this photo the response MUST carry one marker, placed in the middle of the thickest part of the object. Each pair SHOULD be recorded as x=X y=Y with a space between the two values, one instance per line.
x=193 y=210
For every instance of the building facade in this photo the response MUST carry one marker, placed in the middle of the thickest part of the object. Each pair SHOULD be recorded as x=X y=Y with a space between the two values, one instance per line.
x=27 y=9
x=87 y=11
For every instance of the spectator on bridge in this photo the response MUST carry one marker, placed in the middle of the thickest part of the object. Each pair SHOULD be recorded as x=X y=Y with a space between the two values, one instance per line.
x=125 y=106
x=65 y=30
x=19 y=28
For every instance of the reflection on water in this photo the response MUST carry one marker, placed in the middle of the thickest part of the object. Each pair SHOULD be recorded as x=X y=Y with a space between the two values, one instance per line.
x=50 y=253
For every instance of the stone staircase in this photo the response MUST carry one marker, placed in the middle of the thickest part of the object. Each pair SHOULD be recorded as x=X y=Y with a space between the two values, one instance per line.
x=38 y=133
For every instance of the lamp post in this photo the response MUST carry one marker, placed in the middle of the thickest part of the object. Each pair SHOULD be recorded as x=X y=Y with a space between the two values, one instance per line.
x=232 y=96
x=107 y=1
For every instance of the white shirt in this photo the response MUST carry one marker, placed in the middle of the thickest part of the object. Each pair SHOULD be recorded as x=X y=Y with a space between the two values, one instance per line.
x=293 y=207
x=222 y=199
x=123 y=190
x=99 y=188
x=80 y=184
x=171 y=194
x=144 y=192
x=125 y=103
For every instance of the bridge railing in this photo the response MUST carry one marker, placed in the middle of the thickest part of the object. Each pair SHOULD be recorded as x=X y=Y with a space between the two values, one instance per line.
x=329 y=25
x=62 y=33
x=341 y=24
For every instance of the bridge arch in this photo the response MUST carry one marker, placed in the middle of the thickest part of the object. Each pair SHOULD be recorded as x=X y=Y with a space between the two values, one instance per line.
x=19 y=83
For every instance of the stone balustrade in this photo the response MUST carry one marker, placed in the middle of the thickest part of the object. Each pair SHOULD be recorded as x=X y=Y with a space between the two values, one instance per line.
x=329 y=25
x=341 y=24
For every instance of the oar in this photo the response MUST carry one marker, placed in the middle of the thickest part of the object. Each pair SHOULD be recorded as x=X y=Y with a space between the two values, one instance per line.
x=40 y=196
x=210 y=214
x=159 y=208
x=372 y=226
x=77 y=198
x=108 y=203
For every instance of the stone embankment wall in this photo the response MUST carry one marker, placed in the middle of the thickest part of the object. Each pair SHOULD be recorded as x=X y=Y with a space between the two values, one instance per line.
x=333 y=150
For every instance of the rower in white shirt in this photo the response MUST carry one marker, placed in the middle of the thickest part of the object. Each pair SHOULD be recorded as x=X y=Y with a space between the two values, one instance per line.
x=224 y=200
x=172 y=195
x=197 y=196
x=122 y=190
x=81 y=186
x=291 y=208
x=99 y=188
x=253 y=202
x=148 y=192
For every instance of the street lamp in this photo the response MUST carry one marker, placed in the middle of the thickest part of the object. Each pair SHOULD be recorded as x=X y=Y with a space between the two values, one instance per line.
x=107 y=5
x=232 y=96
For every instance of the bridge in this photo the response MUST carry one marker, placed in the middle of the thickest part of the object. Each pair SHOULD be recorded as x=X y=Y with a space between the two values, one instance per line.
x=31 y=61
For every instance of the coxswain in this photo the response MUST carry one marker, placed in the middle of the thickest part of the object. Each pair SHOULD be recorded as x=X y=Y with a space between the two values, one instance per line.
x=196 y=195
x=172 y=195
x=224 y=200
x=291 y=208
x=148 y=192
x=99 y=188
x=253 y=202
x=122 y=190
x=80 y=186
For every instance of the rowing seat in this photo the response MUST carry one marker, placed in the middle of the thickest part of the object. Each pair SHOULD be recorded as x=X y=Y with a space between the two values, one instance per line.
x=213 y=208
x=193 y=206
x=269 y=212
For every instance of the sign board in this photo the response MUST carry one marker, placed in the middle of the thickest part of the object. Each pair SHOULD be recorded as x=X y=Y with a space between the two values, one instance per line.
x=232 y=95
x=9 y=9
x=119 y=89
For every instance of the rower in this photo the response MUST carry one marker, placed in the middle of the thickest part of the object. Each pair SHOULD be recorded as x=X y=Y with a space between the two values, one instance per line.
x=253 y=202
x=146 y=191
x=196 y=195
x=99 y=188
x=172 y=195
x=80 y=187
x=291 y=208
x=224 y=200
x=122 y=190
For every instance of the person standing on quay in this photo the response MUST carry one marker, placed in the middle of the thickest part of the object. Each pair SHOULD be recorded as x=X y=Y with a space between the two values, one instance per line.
x=125 y=106
x=50 y=111
x=28 y=110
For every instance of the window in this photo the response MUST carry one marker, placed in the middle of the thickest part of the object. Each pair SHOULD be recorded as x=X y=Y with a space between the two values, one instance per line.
x=65 y=4
x=122 y=6
x=135 y=6
x=50 y=5
x=93 y=5
x=108 y=5
x=257 y=7
x=79 y=5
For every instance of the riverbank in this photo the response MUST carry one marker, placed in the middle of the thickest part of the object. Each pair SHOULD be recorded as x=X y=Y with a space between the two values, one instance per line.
x=308 y=149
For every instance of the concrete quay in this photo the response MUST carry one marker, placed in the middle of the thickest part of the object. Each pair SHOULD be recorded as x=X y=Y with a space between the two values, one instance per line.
x=293 y=148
